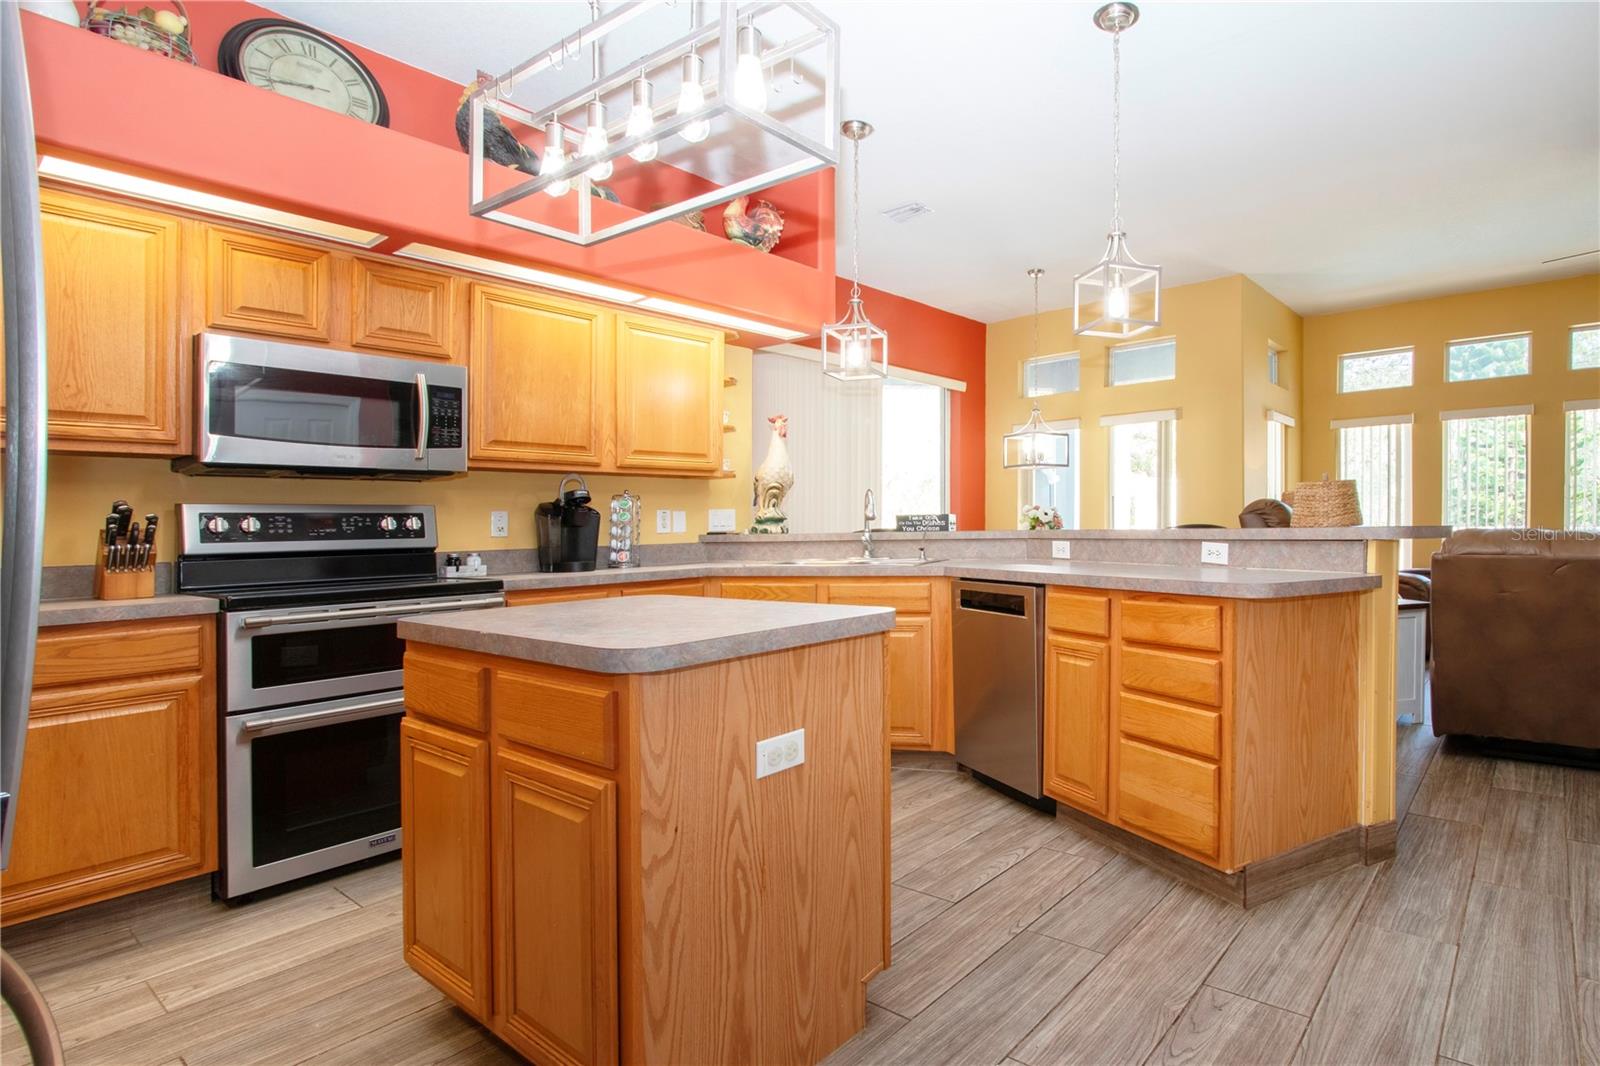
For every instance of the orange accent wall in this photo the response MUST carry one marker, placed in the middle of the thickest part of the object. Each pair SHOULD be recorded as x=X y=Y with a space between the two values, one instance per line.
x=938 y=342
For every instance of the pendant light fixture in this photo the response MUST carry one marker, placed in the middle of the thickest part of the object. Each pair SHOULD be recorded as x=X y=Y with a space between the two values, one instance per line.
x=1036 y=444
x=853 y=349
x=1119 y=296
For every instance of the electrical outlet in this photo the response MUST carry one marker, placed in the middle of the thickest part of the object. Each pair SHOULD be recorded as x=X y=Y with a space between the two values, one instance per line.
x=680 y=521
x=663 y=521
x=1061 y=549
x=499 y=523
x=779 y=753
x=719 y=520
x=1212 y=551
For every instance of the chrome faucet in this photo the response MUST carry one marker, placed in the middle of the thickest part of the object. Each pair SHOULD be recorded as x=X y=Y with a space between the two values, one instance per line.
x=869 y=514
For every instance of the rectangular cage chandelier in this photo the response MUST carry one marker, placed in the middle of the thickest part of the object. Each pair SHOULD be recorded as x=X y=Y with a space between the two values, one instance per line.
x=650 y=112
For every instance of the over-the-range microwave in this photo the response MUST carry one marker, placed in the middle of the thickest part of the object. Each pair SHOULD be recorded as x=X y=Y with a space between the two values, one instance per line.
x=265 y=406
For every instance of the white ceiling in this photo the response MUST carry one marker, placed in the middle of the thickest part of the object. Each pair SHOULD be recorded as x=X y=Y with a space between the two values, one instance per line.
x=1340 y=154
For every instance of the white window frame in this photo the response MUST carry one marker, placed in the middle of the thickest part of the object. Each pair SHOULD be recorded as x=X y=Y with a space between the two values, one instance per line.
x=1025 y=478
x=1278 y=426
x=1572 y=349
x=1457 y=342
x=1403 y=465
x=1525 y=412
x=1055 y=357
x=1274 y=354
x=1166 y=457
x=1569 y=408
x=1339 y=365
x=1115 y=350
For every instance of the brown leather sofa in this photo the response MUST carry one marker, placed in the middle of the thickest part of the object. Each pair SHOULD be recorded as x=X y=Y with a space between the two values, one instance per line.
x=1516 y=636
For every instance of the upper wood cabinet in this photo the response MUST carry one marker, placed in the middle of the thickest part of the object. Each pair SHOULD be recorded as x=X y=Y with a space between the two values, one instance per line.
x=117 y=361
x=1077 y=695
x=256 y=284
x=669 y=395
x=540 y=385
x=397 y=309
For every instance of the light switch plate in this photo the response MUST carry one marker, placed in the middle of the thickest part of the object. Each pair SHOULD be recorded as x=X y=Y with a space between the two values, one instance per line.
x=663 y=521
x=1061 y=549
x=719 y=520
x=1213 y=551
x=499 y=524
x=783 y=752
x=680 y=521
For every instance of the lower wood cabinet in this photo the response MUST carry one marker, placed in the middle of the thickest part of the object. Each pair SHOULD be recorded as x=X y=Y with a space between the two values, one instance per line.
x=782 y=590
x=911 y=683
x=118 y=789
x=1172 y=797
x=921 y=701
x=1077 y=724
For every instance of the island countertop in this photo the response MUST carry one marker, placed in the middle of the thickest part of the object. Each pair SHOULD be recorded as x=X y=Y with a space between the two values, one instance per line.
x=644 y=634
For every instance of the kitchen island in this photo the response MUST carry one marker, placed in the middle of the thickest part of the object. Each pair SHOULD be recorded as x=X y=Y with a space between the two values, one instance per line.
x=595 y=865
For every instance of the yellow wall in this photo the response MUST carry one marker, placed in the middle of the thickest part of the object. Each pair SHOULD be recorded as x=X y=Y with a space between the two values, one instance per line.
x=81 y=488
x=1222 y=328
x=1547 y=310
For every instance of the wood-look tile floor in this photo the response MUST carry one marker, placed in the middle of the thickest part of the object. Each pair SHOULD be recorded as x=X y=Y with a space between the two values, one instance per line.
x=1016 y=941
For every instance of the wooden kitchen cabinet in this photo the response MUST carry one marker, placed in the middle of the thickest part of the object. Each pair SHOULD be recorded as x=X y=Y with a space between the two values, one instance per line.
x=119 y=789
x=540 y=380
x=1077 y=737
x=402 y=310
x=669 y=396
x=258 y=284
x=777 y=589
x=444 y=793
x=921 y=701
x=555 y=931
x=524 y=597
x=117 y=370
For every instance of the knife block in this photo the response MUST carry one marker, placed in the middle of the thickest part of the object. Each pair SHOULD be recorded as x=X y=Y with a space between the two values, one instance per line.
x=124 y=584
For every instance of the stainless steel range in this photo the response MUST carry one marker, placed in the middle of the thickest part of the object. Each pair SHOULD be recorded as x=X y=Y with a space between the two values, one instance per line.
x=311 y=695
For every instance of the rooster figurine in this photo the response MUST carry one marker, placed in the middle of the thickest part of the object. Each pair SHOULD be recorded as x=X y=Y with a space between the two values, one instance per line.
x=499 y=146
x=759 y=226
x=774 y=479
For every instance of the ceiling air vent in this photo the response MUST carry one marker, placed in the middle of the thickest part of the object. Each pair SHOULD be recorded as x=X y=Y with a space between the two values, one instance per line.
x=907 y=211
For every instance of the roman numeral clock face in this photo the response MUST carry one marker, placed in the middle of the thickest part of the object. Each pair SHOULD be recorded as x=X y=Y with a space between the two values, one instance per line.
x=302 y=64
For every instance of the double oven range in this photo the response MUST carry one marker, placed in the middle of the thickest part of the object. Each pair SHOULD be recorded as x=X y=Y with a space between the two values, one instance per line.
x=310 y=666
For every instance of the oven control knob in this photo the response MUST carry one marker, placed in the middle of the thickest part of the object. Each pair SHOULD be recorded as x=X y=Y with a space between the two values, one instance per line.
x=413 y=523
x=249 y=524
x=216 y=524
x=388 y=523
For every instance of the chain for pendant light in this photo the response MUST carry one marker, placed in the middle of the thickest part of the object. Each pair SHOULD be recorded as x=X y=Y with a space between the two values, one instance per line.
x=855 y=219
x=1116 y=130
x=1034 y=274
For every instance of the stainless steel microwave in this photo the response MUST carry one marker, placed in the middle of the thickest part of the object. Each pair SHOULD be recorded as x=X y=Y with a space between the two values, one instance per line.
x=269 y=406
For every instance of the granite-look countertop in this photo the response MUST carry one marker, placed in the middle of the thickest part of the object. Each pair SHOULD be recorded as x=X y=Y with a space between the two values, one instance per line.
x=644 y=634
x=1282 y=533
x=78 y=612
x=1225 y=581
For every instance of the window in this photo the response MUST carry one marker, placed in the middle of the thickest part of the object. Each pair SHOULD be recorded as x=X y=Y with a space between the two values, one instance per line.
x=1143 y=488
x=1583 y=464
x=1365 y=371
x=1272 y=365
x=1486 y=467
x=1154 y=361
x=1375 y=453
x=915 y=449
x=1487 y=357
x=1277 y=452
x=1053 y=486
x=1047 y=375
x=1584 y=348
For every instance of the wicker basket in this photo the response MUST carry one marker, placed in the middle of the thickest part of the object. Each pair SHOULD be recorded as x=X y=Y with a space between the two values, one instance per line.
x=1324 y=503
x=140 y=32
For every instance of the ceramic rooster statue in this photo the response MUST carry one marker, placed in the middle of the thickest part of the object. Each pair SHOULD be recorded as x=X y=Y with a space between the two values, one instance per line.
x=774 y=479
x=759 y=226
x=499 y=145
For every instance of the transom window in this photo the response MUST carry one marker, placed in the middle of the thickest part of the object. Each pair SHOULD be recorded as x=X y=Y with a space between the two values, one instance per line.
x=1046 y=375
x=1367 y=371
x=1134 y=363
x=1488 y=357
x=1583 y=352
x=1486 y=468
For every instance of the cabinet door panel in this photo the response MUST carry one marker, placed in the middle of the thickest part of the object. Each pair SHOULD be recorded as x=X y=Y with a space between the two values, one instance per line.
x=396 y=309
x=1077 y=687
x=111 y=317
x=911 y=685
x=259 y=285
x=540 y=379
x=556 y=911
x=443 y=805
x=1172 y=797
x=669 y=396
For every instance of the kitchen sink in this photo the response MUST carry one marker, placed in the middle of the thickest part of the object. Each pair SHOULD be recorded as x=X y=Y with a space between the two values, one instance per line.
x=854 y=560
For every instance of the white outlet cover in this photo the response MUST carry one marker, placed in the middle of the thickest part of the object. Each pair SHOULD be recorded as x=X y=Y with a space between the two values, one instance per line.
x=499 y=524
x=720 y=520
x=1061 y=549
x=779 y=753
x=663 y=521
x=1214 y=551
x=680 y=521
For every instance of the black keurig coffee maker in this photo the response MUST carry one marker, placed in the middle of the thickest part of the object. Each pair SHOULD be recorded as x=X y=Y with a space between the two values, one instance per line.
x=568 y=529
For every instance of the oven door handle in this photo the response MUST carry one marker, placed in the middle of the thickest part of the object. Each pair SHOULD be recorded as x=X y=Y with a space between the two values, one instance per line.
x=424 y=416
x=263 y=621
x=332 y=716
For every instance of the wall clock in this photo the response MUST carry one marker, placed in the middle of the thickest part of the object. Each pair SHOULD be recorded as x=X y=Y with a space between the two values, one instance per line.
x=299 y=62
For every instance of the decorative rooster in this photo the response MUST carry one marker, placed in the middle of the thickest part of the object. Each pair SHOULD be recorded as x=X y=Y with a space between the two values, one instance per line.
x=759 y=226
x=774 y=479
x=499 y=146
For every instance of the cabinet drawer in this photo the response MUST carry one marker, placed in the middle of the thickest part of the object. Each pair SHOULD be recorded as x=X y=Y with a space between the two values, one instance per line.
x=1170 y=796
x=563 y=716
x=118 y=651
x=1171 y=725
x=908 y=597
x=666 y=588
x=781 y=591
x=1177 y=624
x=527 y=597
x=1189 y=677
x=446 y=689
x=1076 y=612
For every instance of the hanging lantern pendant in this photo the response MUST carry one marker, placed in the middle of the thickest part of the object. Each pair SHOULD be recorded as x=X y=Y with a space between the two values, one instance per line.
x=853 y=349
x=1037 y=444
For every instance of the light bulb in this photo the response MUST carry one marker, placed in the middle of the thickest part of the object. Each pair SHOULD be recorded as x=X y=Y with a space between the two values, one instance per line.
x=595 y=142
x=642 y=119
x=1117 y=302
x=692 y=97
x=750 y=77
x=855 y=353
x=555 y=157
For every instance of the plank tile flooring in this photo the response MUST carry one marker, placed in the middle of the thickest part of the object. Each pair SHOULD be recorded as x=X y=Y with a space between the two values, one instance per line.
x=1016 y=940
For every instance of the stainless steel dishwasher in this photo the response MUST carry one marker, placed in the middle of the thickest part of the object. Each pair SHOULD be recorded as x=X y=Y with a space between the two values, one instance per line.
x=997 y=634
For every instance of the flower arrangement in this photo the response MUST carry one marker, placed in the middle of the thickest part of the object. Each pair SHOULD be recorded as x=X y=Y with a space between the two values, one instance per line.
x=1038 y=517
